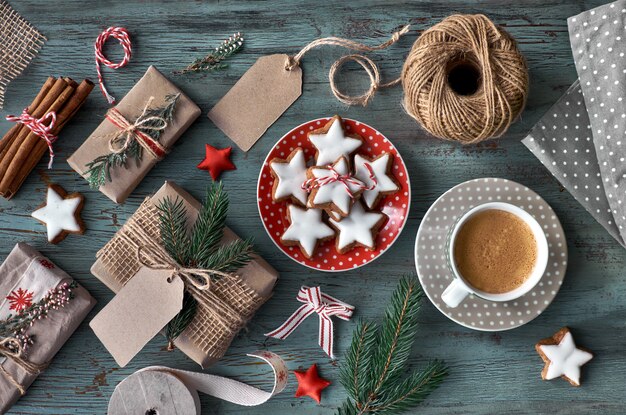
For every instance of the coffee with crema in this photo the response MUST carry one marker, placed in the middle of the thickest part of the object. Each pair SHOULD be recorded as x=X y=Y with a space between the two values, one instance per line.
x=495 y=251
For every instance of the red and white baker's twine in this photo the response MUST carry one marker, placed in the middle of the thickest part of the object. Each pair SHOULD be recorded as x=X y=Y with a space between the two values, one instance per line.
x=315 y=301
x=39 y=128
x=347 y=180
x=121 y=34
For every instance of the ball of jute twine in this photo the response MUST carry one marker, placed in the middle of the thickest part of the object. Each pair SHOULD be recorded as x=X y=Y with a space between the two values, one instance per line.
x=464 y=79
x=475 y=45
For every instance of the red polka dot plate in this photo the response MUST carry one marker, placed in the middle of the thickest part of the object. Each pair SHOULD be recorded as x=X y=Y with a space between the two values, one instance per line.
x=395 y=206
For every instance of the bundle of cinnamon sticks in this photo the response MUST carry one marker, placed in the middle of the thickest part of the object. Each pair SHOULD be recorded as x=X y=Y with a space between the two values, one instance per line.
x=20 y=148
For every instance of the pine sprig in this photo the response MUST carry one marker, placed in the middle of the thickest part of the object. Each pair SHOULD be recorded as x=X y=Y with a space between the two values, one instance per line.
x=200 y=247
x=376 y=361
x=214 y=60
x=99 y=170
x=209 y=227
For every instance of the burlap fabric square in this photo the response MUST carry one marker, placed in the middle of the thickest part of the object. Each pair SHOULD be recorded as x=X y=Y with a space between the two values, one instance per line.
x=19 y=43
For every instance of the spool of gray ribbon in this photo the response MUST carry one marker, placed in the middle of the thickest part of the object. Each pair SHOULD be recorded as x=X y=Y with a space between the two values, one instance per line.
x=159 y=390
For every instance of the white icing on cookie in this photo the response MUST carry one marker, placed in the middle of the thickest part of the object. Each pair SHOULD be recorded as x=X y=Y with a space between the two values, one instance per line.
x=382 y=184
x=565 y=359
x=333 y=144
x=357 y=227
x=289 y=177
x=306 y=228
x=58 y=214
x=334 y=192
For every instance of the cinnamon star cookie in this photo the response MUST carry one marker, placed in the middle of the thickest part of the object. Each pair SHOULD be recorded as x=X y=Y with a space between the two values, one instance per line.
x=562 y=357
x=61 y=213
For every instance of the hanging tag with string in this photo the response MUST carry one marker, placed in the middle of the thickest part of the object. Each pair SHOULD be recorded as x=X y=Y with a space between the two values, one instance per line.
x=274 y=83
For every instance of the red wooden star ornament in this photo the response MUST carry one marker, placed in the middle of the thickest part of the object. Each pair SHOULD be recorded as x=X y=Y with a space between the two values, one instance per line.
x=310 y=383
x=216 y=161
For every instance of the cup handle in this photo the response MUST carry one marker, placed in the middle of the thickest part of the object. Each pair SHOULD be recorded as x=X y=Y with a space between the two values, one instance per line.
x=454 y=294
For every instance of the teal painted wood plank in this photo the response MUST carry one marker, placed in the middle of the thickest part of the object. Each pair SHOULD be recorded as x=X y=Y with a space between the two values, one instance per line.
x=489 y=372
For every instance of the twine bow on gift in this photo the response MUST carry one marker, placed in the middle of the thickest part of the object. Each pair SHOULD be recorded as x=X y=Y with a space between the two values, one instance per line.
x=136 y=131
x=158 y=259
x=39 y=128
x=12 y=349
x=347 y=180
x=315 y=301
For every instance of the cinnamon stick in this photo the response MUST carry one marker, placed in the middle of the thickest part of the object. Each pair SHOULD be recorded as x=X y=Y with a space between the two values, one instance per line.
x=37 y=112
x=28 y=144
x=67 y=113
x=11 y=134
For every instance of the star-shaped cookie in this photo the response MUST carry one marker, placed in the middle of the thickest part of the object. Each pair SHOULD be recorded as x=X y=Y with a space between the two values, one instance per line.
x=216 y=160
x=333 y=194
x=306 y=229
x=61 y=213
x=289 y=175
x=310 y=383
x=359 y=228
x=376 y=174
x=331 y=142
x=562 y=357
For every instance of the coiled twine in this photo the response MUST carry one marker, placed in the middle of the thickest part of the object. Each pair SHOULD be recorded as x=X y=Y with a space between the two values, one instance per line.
x=465 y=79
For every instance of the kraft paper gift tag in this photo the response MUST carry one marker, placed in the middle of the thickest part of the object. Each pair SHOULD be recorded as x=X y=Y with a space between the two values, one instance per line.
x=138 y=312
x=256 y=101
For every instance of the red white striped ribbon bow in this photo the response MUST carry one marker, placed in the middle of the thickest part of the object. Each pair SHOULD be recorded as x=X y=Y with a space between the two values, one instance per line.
x=315 y=301
x=347 y=180
x=39 y=128
x=122 y=36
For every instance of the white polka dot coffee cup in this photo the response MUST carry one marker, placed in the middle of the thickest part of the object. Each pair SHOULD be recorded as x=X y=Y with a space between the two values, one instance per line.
x=460 y=288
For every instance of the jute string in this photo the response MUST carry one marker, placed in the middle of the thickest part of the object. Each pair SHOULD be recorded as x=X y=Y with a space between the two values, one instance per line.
x=135 y=131
x=472 y=41
x=12 y=349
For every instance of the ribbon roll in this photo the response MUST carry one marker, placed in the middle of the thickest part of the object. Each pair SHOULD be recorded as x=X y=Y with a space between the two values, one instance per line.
x=162 y=390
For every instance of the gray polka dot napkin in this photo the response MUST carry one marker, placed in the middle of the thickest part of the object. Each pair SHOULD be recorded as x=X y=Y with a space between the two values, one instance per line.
x=598 y=39
x=563 y=142
x=582 y=139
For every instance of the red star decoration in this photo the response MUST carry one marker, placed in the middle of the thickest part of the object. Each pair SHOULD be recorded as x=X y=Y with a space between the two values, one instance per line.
x=20 y=299
x=46 y=264
x=216 y=161
x=310 y=383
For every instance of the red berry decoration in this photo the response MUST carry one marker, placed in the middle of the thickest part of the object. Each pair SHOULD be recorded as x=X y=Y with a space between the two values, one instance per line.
x=216 y=161
x=310 y=383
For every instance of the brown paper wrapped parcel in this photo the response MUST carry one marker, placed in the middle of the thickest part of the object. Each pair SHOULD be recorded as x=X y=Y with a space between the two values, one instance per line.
x=124 y=179
x=26 y=266
x=210 y=333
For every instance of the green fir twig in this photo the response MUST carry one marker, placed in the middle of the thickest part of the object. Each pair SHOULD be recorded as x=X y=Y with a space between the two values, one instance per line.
x=99 y=170
x=374 y=370
x=214 y=61
x=200 y=247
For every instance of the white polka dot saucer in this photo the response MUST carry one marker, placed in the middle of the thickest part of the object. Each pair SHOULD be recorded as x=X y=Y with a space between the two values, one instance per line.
x=430 y=256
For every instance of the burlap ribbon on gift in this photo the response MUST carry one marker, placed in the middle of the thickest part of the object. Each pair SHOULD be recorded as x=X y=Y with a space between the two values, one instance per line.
x=12 y=349
x=223 y=309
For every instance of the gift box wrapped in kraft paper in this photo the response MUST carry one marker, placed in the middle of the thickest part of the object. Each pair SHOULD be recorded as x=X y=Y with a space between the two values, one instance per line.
x=134 y=136
x=40 y=307
x=233 y=300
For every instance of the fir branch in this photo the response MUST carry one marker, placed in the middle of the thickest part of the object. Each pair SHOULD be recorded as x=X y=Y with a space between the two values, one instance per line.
x=377 y=359
x=173 y=226
x=209 y=227
x=179 y=323
x=99 y=170
x=214 y=60
x=230 y=257
x=200 y=248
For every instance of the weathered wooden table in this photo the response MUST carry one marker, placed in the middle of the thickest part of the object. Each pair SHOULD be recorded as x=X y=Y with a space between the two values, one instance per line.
x=489 y=372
